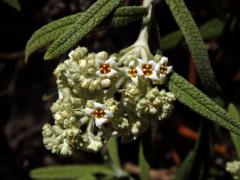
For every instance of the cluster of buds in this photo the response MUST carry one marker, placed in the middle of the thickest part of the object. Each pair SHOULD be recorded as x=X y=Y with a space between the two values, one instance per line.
x=233 y=168
x=102 y=95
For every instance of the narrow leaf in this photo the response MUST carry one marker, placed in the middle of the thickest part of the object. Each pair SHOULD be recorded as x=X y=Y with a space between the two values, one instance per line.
x=200 y=103
x=14 y=4
x=195 y=43
x=70 y=172
x=209 y=30
x=235 y=138
x=87 y=22
x=113 y=151
x=50 y=32
x=144 y=167
x=183 y=171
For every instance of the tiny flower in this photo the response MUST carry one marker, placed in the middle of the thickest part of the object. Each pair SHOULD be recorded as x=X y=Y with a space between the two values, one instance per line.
x=132 y=72
x=148 y=69
x=99 y=113
x=105 y=69
x=164 y=68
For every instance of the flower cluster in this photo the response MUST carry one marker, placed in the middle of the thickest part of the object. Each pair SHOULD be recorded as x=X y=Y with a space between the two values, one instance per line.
x=102 y=95
x=233 y=168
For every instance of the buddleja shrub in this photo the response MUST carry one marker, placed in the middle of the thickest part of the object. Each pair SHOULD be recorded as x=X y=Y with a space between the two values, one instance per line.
x=102 y=95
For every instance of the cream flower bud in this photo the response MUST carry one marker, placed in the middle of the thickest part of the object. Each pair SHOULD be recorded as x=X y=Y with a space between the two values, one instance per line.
x=136 y=128
x=105 y=83
x=102 y=56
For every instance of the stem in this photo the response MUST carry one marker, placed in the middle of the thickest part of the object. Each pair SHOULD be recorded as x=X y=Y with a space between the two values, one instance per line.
x=143 y=35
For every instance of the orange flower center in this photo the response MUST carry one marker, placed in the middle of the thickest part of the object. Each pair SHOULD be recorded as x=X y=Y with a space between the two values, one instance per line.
x=132 y=72
x=163 y=69
x=99 y=113
x=105 y=68
x=147 y=69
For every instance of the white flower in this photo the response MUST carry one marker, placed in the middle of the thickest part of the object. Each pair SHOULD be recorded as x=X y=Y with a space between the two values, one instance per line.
x=105 y=69
x=133 y=72
x=99 y=113
x=164 y=69
x=148 y=69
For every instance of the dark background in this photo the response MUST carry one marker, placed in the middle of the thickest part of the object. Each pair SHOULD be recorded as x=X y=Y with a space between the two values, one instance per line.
x=27 y=90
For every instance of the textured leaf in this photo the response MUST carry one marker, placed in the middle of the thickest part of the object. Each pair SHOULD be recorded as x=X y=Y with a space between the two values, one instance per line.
x=144 y=167
x=89 y=20
x=195 y=43
x=13 y=3
x=183 y=171
x=83 y=172
x=235 y=138
x=210 y=29
x=200 y=103
x=113 y=151
x=49 y=33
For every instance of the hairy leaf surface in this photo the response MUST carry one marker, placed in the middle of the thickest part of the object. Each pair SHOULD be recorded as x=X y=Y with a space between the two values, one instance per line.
x=195 y=43
x=50 y=32
x=88 y=21
x=235 y=138
x=200 y=103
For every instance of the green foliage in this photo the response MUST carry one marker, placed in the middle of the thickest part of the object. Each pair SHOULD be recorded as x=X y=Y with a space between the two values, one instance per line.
x=209 y=30
x=14 y=4
x=184 y=170
x=200 y=103
x=85 y=23
x=124 y=15
x=195 y=43
x=113 y=151
x=83 y=172
x=50 y=32
x=144 y=167
x=235 y=138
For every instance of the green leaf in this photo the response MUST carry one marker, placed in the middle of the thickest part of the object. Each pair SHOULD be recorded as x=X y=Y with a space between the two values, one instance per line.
x=209 y=30
x=14 y=4
x=235 y=138
x=183 y=171
x=113 y=151
x=87 y=22
x=200 y=103
x=144 y=167
x=49 y=33
x=127 y=14
x=83 y=172
x=195 y=43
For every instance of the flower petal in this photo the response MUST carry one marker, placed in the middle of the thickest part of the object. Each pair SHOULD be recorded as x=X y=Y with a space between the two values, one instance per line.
x=111 y=73
x=89 y=111
x=164 y=60
x=108 y=114
x=99 y=74
x=110 y=61
x=100 y=121
x=142 y=61
x=131 y=64
x=153 y=76
x=135 y=80
x=139 y=71
x=169 y=69
x=97 y=105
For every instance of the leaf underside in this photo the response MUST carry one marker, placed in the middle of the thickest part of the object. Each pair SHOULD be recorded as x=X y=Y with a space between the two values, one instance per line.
x=200 y=103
